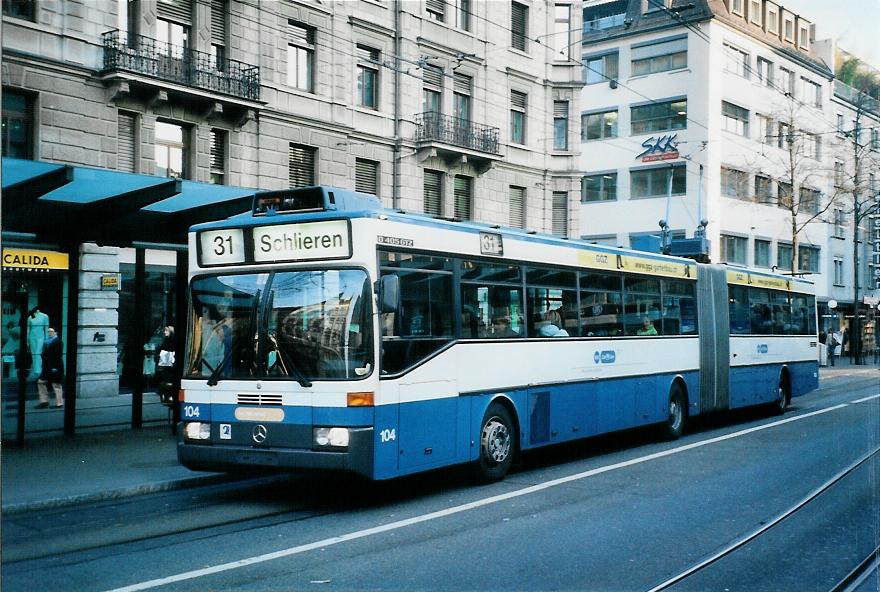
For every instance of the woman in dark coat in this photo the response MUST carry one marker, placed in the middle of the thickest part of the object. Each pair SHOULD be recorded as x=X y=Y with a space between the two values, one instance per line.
x=53 y=370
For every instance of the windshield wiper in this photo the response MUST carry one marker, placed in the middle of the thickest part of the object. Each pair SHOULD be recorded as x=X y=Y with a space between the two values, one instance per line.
x=252 y=320
x=293 y=370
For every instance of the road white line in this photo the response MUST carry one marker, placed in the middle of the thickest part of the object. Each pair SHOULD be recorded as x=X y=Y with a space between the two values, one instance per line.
x=189 y=575
x=871 y=398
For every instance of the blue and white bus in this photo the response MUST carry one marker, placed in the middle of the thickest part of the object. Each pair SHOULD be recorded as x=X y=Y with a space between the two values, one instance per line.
x=329 y=333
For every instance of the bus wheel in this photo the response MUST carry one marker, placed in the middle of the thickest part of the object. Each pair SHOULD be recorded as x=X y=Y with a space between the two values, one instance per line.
x=677 y=412
x=497 y=444
x=783 y=395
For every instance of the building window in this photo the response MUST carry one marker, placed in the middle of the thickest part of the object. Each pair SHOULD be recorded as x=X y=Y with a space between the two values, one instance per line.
x=601 y=68
x=838 y=271
x=432 y=89
x=736 y=61
x=21 y=9
x=463 y=194
x=219 y=9
x=436 y=9
x=659 y=117
x=659 y=57
x=763 y=189
x=18 y=124
x=856 y=131
x=772 y=19
x=840 y=124
x=560 y=125
x=784 y=254
x=734 y=119
x=839 y=174
x=368 y=77
x=736 y=7
x=655 y=182
x=812 y=92
x=812 y=145
x=218 y=157
x=366 y=176
x=562 y=31
x=172 y=38
x=839 y=223
x=784 y=195
x=784 y=138
x=433 y=193
x=126 y=142
x=755 y=11
x=808 y=258
x=518 y=104
x=734 y=249
x=809 y=201
x=765 y=129
x=461 y=101
x=519 y=25
x=602 y=187
x=301 y=57
x=172 y=150
x=875 y=139
x=301 y=166
x=559 y=221
x=788 y=28
x=517 y=207
x=735 y=183
x=765 y=71
x=595 y=126
x=762 y=253
x=786 y=81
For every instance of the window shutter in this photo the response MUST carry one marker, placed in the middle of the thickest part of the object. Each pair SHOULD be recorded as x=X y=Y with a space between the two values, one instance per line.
x=301 y=34
x=518 y=16
x=560 y=213
x=560 y=109
x=179 y=11
x=518 y=100
x=218 y=22
x=432 y=75
x=517 y=207
x=462 y=84
x=366 y=176
x=436 y=6
x=218 y=150
x=125 y=143
x=463 y=200
x=301 y=170
x=433 y=193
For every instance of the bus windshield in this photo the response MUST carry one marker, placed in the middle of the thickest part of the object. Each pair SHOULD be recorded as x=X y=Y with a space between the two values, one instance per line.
x=305 y=325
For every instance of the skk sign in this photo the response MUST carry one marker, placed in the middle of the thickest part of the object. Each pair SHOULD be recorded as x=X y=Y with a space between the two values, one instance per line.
x=662 y=148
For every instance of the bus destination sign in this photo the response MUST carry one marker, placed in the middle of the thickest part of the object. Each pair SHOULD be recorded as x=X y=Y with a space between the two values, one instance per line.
x=283 y=242
x=491 y=244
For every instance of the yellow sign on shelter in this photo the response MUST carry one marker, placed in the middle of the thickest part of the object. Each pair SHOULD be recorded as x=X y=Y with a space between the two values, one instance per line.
x=34 y=260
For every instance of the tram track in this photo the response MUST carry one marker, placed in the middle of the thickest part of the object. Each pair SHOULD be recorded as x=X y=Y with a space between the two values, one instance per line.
x=754 y=535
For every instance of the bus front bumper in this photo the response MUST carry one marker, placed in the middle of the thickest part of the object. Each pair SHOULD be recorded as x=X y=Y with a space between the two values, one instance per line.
x=220 y=456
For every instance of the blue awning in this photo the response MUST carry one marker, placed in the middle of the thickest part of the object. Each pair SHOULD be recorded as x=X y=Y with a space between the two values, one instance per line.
x=83 y=204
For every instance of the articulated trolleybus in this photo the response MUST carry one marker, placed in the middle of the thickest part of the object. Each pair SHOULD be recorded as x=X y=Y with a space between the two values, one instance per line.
x=328 y=333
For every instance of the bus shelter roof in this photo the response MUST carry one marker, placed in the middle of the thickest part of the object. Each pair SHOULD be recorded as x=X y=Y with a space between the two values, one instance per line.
x=71 y=204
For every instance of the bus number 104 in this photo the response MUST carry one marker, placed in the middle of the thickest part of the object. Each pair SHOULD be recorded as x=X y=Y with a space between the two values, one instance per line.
x=387 y=435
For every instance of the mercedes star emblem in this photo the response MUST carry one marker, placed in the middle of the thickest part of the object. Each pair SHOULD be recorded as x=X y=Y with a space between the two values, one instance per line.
x=259 y=433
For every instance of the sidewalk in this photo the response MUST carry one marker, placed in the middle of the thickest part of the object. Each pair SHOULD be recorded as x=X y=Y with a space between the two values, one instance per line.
x=55 y=471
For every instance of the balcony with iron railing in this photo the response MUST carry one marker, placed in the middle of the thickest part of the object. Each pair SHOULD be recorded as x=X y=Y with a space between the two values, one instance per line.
x=605 y=22
x=856 y=97
x=433 y=128
x=137 y=54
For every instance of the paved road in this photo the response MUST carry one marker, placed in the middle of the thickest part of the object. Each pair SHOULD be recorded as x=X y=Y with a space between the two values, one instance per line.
x=622 y=512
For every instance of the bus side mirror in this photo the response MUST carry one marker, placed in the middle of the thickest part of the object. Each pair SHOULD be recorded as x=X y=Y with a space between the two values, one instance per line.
x=389 y=293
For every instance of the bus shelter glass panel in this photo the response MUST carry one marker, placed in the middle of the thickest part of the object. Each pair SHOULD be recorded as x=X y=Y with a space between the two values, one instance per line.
x=601 y=305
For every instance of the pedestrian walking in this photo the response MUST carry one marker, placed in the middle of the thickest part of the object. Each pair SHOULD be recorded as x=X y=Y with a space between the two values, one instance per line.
x=52 y=370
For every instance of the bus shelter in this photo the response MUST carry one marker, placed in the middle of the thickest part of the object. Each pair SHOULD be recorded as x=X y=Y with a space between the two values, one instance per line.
x=66 y=206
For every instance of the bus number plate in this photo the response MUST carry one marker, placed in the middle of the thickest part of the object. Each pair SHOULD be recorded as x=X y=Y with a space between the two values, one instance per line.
x=221 y=247
x=490 y=244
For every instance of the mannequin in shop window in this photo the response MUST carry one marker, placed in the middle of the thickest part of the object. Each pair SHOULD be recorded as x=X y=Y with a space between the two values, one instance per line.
x=37 y=333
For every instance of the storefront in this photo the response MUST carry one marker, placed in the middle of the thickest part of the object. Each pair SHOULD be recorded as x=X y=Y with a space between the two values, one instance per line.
x=35 y=298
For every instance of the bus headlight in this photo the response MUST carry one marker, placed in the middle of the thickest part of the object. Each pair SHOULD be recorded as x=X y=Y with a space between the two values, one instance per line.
x=197 y=430
x=335 y=437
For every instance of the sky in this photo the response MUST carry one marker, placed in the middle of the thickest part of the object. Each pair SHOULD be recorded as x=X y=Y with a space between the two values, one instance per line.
x=853 y=23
